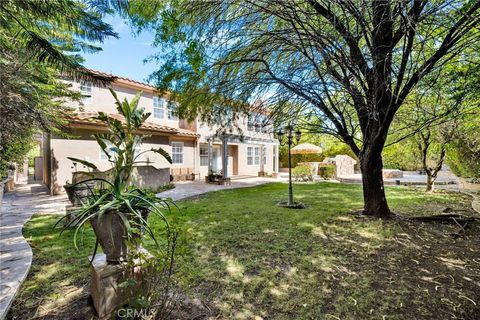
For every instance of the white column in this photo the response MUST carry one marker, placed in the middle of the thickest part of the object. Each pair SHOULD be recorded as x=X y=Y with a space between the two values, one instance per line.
x=225 y=156
x=262 y=155
x=277 y=157
x=210 y=150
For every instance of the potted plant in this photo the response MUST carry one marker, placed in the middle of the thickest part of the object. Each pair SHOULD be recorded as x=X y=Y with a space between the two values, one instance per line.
x=117 y=211
x=213 y=177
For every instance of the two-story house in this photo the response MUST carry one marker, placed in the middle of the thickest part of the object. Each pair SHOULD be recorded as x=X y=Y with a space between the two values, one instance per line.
x=195 y=147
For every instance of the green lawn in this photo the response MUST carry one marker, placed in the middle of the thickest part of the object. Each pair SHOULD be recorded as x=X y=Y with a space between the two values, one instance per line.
x=245 y=258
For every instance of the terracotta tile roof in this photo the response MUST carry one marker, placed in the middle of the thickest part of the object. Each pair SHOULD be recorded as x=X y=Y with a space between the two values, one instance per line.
x=123 y=79
x=87 y=118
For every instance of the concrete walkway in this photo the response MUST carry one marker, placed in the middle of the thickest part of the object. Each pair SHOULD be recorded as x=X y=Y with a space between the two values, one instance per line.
x=15 y=253
x=187 y=189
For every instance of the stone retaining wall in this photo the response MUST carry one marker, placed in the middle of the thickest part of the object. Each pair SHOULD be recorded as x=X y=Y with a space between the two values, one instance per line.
x=142 y=176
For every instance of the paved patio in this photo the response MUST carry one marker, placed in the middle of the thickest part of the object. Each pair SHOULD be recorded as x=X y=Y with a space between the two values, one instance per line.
x=15 y=253
x=187 y=189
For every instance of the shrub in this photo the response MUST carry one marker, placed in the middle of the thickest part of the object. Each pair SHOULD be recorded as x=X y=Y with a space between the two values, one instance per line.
x=297 y=158
x=327 y=171
x=302 y=172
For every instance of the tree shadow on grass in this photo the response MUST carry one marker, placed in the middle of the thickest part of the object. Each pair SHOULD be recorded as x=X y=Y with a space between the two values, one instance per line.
x=247 y=258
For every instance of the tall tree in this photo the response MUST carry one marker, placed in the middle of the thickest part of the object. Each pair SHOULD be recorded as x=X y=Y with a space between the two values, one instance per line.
x=46 y=31
x=347 y=65
x=39 y=42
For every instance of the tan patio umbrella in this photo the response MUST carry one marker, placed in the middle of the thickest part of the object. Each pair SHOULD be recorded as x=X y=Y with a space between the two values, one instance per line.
x=306 y=148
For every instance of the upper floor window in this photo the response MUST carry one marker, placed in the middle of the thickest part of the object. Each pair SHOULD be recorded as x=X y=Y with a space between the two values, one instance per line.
x=86 y=92
x=258 y=123
x=203 y=155
x=172 y=111
x=158 y=107
x=177 y=152
x=251 y=123
x=264 y=121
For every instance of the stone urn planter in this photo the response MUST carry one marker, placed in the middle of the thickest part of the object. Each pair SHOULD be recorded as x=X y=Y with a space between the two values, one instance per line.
x=76 y=193
x=112 y=235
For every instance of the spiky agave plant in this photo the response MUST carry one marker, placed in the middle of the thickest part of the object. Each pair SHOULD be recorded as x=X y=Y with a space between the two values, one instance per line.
x=114 y=196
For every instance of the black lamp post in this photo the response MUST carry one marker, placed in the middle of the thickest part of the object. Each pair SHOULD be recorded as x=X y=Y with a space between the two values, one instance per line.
x=290 y=135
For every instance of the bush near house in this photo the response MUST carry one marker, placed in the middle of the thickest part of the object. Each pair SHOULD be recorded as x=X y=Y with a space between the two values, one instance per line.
x=326 y=171
x=303 y=172
x=298 y=158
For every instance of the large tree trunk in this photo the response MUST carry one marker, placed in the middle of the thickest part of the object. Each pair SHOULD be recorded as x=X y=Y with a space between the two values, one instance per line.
x=375 y=202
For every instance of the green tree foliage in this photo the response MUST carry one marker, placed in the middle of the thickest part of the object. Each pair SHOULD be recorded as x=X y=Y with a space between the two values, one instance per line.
x=31 y=98
x=463 y=154
x=345 y=66
x=331 y=147
x=437 y=116
x=40 y=40
x=46 y=30
x=402 y=155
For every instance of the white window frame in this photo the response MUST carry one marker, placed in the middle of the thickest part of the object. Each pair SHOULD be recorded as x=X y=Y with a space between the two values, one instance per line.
x=256 y=156
x=159 y=107
x=171 y=109
x=249 y=156
x=253 y=156
x=264 y=124
x=86 y=92
x=177 y=144
x=250 y=123
x=204 y=156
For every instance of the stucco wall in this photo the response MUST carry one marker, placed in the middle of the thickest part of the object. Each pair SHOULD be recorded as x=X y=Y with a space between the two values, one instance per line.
x=84 y=147
x=237 y=160
x=245 y=169
x=102 y=100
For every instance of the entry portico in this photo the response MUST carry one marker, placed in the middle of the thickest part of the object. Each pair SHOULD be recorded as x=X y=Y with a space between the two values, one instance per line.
x=226 y=151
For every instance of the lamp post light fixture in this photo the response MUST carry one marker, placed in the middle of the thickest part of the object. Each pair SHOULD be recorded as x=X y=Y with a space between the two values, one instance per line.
x=292 y=136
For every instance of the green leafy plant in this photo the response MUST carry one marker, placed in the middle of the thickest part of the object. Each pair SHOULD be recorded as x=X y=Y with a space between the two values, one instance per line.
x=302 y=172
x=326 y=171
x=113 y=195
x=213 y=177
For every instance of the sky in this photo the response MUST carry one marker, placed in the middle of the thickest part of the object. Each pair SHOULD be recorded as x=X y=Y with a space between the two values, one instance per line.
x=123 y=56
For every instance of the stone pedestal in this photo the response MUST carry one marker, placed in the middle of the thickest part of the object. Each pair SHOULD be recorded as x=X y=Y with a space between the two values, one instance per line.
x=106 y=293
